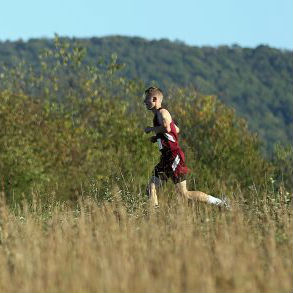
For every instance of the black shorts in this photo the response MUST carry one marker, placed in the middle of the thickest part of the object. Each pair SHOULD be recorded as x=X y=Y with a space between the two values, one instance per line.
x=165 y=168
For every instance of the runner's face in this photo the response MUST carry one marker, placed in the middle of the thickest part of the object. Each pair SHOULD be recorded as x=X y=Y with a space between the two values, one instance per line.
x=150 y=102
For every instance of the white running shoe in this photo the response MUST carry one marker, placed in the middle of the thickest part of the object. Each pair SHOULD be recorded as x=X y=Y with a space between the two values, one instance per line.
x=225 y=204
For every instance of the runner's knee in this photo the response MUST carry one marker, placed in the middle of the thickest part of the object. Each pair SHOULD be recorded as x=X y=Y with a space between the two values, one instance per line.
x=153 y=184
x=182 y=190
x=150 y=188
x=184 y=193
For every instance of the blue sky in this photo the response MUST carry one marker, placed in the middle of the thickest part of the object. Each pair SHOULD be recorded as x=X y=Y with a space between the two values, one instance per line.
x=247 y=23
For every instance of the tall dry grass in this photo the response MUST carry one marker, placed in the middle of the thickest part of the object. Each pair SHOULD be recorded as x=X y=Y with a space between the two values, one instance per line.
x=101 y=247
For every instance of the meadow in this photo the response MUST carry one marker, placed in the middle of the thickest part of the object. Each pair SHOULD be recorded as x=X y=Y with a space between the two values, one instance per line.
x=92 y=246
x=74 y=165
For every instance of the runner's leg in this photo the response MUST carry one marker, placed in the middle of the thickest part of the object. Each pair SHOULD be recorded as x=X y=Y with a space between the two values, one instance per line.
x=152 y=189
x=196 y=195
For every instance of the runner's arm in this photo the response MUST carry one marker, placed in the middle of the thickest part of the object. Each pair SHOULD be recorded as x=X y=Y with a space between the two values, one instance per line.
x=165 y=121
x=177 y=128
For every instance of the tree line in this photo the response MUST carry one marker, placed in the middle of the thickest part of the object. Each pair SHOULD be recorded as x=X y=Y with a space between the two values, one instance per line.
x=68 y=125
x=257 y=82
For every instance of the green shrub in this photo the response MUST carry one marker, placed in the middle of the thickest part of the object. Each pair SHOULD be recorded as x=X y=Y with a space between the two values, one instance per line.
x=84 y=131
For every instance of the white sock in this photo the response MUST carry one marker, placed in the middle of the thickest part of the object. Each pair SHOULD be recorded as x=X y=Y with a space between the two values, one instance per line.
x=214 y=200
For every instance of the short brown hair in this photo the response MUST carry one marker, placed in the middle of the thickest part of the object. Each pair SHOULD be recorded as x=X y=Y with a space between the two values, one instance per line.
x=154 y=91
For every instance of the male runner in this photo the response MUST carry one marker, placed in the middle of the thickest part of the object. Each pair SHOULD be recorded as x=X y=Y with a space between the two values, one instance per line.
x=172 y=162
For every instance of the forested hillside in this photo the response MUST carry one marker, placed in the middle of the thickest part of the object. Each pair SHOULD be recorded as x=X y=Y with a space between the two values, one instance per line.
x=257 y=82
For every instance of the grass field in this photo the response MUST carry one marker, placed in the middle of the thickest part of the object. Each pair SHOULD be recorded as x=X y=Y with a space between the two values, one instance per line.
x=91 y=246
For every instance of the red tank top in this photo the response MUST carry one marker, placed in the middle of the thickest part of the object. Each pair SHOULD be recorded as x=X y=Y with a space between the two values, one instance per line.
x=167 y=141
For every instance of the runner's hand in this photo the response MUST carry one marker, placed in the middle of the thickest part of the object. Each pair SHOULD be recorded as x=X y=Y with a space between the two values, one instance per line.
x=148 y=129
x=153 y=139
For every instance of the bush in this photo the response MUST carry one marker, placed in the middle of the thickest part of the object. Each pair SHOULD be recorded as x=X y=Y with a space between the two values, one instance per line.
x=86 y=129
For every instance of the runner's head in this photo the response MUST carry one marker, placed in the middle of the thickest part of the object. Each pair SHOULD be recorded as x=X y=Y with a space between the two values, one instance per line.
x=153 y=97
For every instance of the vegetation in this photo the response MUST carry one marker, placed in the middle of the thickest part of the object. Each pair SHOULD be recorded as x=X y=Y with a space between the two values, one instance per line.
x=256 y=82
x=74 y=164
x=89 y=247
x=71 y=125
